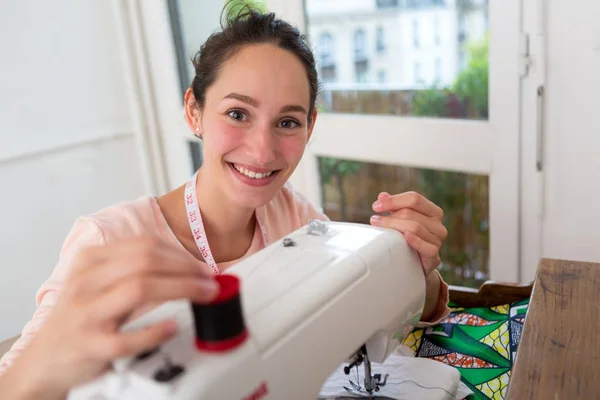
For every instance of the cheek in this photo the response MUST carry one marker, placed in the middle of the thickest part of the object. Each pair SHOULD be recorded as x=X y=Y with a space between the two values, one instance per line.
x=292 y=148
x=223 y=138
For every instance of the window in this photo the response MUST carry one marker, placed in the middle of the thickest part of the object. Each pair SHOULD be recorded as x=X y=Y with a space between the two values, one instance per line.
x=387 y=3
x=326 y=57
x=436 y=31
x=417 y=73
x=438 y=70
x=381 y=76
x=380 y=40
x=361 y=65
x=361 y=74
x=360 y=45
x=462 y=28
x=325 y=49
x=415 y=33
x=327 y=74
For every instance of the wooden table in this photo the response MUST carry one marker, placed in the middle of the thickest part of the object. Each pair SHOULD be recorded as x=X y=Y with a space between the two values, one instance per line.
x=559 y=353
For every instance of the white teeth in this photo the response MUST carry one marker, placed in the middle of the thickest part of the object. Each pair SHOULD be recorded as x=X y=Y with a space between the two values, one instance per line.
x=252 y=174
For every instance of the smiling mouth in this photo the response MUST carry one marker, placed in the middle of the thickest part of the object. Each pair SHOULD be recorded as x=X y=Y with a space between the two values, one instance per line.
x=253 y=174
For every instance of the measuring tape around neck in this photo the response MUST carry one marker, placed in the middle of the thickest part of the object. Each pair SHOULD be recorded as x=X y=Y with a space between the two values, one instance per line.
x=197 y=227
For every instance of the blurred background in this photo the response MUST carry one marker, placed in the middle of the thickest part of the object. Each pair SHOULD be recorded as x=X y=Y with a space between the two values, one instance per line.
x=483 y=106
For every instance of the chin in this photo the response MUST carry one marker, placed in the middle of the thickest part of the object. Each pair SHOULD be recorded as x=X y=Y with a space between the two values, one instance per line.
x=253 y=199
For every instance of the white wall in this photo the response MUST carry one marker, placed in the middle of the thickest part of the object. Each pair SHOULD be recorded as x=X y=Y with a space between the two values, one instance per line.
x=66 y=141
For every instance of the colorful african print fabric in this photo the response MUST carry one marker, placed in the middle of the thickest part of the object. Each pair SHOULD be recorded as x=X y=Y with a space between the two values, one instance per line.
x=480 y=342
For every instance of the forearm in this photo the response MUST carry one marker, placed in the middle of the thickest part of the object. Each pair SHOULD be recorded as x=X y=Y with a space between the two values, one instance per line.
x=432 y=296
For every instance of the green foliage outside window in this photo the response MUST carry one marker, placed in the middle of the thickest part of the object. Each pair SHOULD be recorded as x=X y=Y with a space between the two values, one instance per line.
x=470 y=88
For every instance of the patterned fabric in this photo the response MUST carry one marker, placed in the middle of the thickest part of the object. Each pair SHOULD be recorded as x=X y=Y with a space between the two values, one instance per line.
x=480 y=342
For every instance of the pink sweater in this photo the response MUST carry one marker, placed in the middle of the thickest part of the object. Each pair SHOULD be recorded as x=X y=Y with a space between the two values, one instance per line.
x=285 y=213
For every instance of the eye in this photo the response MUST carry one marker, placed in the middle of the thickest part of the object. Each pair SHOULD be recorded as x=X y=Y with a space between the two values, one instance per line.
x=288 y=124
x=238 y=115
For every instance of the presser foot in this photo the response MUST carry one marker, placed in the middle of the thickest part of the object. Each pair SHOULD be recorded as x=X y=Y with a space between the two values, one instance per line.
x=375 y=383
x=372 y=382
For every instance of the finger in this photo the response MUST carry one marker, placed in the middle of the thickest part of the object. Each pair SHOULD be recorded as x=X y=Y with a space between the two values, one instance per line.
x=408 y=200
x=382 y=195
x=404 y=226
x=428 y=263
x=424 y=248
x=433 y=225
x=126 y=296
x=140 y=258
x=137 y=341
x=155 y=248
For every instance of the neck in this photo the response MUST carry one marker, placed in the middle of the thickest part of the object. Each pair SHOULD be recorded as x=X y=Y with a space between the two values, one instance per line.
x=229 y=228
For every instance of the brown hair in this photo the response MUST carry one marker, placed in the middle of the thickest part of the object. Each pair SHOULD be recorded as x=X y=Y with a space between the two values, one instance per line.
x=250 y=26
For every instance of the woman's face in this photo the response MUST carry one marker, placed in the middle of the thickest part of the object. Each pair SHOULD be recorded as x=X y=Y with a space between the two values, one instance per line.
x=254 y=123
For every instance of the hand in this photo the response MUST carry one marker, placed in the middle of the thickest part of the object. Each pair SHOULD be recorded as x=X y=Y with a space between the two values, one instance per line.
x=418 y=219
x=106 y=285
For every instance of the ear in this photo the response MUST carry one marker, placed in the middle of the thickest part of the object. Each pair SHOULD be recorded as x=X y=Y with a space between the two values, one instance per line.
x=193 y=114
x=312 y=124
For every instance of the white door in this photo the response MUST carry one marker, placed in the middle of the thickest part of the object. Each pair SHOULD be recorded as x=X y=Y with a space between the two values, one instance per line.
x=561 y=200
x=386 y=121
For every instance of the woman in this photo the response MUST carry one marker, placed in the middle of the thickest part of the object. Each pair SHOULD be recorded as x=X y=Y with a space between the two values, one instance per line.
x=252 y=102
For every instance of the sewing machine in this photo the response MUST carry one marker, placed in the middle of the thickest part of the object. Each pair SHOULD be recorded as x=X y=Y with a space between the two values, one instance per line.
x=286 y=318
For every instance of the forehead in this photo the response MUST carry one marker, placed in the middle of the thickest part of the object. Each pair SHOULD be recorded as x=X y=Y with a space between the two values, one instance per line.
x=271 y=75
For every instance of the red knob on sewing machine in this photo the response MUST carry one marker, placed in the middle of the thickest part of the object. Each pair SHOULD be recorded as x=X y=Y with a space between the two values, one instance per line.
x=220 y=325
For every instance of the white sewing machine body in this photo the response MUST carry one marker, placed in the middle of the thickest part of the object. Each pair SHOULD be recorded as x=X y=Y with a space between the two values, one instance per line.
x=308 y=307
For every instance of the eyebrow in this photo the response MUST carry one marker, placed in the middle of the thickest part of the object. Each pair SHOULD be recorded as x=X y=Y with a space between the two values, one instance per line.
x=255 y=103
x=242 y=98
x=293 y=108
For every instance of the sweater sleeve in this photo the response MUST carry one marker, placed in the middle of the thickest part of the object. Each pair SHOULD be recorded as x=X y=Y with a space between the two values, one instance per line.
x=442 y=309
x=84 y=233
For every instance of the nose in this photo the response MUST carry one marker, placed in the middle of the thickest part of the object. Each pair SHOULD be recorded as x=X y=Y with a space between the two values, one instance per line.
x=262 y=145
